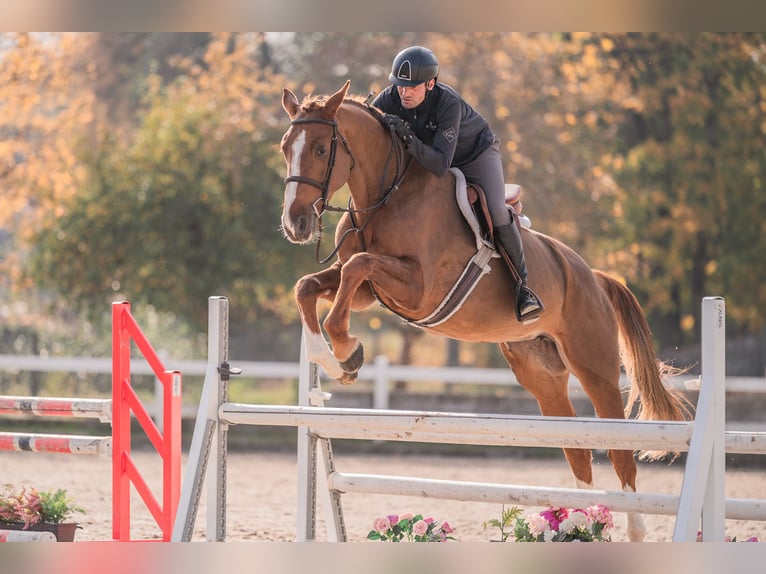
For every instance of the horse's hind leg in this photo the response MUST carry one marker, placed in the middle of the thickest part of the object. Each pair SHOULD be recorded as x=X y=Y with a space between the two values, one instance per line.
x=593 y=356
x=539 y=369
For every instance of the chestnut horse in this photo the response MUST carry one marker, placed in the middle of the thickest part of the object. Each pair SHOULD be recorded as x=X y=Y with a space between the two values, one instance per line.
x=403 y=242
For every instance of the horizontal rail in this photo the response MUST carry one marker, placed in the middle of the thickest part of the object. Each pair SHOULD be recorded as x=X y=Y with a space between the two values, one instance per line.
x=57 y=407
x=379 y=367
x=645 y=503
x=416 y=426
x=138 y=366
x=60 y=443
x=483 y=429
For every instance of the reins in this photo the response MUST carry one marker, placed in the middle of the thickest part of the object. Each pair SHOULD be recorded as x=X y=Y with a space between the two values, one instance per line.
x=396 y=152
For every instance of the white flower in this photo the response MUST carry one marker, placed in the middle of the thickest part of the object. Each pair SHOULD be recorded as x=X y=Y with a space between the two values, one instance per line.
x=537 y=524
x=548 y=535
x=580 y=520
x=567 y=526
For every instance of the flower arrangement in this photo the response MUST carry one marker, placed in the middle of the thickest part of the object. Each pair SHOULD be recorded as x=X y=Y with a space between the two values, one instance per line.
x=592 y=524
x=730 y=538
x=32 y=507
x=410 y=528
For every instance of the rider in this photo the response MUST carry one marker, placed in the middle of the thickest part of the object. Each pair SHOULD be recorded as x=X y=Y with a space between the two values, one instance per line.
x=441 y=130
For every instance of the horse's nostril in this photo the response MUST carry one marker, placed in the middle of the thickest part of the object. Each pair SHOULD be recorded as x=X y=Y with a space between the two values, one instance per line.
x=301 y=226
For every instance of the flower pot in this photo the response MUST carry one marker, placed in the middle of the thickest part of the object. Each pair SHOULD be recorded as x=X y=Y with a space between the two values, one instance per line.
x=63 y=531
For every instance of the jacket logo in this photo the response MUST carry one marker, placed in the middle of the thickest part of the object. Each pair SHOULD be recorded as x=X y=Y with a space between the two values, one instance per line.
x=449 y=134
x=405 y=71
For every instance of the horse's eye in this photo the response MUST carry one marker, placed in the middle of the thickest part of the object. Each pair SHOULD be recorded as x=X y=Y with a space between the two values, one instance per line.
x=321 y=149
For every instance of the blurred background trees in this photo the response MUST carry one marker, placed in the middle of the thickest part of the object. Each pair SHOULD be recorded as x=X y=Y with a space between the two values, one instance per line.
x=146 y=167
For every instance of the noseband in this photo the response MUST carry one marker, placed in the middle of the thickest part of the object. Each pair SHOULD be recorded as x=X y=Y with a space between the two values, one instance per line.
x=323 y=186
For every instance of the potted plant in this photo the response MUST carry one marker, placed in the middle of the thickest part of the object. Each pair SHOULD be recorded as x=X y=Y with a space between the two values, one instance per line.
x=47 y=511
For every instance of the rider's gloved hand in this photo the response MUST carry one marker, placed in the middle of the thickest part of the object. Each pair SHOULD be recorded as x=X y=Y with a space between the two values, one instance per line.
x=400 y=127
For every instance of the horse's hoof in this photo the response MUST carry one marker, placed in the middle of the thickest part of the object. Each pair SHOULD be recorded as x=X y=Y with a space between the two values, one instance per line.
x=355 y=361
x=347 y=378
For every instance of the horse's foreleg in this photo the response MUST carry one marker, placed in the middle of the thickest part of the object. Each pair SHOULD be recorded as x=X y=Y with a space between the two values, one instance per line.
x=308 y=290
x=396 y=277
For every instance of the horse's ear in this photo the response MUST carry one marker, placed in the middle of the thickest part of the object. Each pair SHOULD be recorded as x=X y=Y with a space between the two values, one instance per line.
x=333 y=102
x=290 y=103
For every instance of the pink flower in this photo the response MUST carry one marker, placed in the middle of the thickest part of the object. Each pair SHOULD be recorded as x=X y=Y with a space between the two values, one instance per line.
x=555 y=516
x=751 y=539
x=393 y=519
x=381 y=525
x=600 y=513
x=447 y=529
x=420 y=528
x=406 y=516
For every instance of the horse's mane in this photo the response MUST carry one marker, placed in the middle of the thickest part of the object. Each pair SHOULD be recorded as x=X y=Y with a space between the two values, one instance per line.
x=314 y=103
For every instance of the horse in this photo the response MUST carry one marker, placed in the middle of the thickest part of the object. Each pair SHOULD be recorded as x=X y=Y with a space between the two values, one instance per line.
x=403 y=242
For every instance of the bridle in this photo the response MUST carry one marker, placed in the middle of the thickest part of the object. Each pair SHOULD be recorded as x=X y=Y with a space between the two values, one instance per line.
x=324 y=186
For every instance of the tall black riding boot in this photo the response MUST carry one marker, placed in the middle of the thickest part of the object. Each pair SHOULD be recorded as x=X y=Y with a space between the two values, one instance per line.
x=528 y=305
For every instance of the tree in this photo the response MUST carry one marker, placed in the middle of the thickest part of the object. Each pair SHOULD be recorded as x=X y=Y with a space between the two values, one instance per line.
x=187 y=206
x=692 y=152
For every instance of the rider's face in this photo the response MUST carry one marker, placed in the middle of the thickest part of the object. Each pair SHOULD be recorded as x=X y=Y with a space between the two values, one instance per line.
x=413 y=96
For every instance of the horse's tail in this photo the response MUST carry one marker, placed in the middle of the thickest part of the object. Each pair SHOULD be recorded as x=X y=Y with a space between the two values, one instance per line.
x=656 y=401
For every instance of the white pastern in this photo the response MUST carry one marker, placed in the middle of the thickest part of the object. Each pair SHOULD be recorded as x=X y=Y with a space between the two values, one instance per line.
x=291 y=190
x=319 y=353
x=583 y=485
x=635 y=526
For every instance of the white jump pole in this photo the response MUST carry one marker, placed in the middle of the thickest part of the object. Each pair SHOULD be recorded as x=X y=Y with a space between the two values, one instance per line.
x=461 y=428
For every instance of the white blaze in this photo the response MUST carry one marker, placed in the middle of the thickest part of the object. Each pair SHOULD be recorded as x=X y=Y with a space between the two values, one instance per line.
x=295 y=170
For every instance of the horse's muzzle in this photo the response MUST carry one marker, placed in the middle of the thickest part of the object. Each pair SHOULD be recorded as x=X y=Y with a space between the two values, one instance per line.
x=300 y=229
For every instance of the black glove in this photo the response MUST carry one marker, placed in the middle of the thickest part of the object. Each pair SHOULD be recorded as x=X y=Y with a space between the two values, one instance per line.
x=400 y=127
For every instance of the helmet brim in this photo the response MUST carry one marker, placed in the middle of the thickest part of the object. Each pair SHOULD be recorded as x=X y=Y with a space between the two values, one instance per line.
x=405 y=83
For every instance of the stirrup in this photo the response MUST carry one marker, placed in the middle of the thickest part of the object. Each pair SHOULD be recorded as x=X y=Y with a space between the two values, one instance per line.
x=532 y=315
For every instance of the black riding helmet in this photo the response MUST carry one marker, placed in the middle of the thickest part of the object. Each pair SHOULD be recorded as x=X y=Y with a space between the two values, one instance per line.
x=413 y=66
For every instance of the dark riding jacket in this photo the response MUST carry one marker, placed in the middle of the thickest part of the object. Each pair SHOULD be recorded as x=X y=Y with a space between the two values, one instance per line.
x=448 y=131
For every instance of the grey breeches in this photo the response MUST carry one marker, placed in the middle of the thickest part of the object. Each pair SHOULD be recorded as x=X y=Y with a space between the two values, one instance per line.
x=487 y=171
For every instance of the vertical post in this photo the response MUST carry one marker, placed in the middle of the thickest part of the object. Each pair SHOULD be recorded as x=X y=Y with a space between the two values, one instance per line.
x=208 y=439
x=307 y=454
x=120 y=422
x=714 y=370
x=171 y=450
x=218 y=353
x=702 y=489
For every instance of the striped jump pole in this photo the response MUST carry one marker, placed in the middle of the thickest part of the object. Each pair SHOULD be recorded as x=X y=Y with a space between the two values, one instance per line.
x=59 y=443
x=26 y=536
x=100 y=409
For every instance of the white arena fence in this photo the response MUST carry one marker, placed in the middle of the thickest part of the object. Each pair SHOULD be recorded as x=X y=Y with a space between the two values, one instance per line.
x=381 y=373
x=701 y=504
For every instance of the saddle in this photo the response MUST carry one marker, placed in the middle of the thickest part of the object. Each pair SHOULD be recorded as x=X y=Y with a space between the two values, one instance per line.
x=473 y=205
